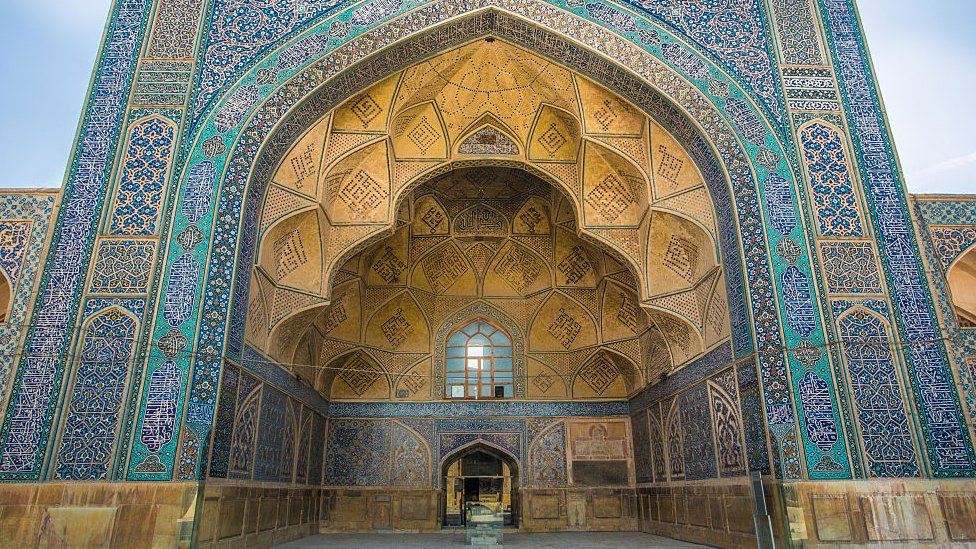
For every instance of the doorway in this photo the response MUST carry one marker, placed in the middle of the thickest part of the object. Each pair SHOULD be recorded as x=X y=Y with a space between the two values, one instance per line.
x=482 y=477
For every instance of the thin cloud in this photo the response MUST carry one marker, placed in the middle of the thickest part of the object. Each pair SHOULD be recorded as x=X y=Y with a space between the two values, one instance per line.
x=79 y=17
x=946 y=166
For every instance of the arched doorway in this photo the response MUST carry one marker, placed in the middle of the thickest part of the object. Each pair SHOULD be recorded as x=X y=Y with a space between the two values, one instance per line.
x=480 y=476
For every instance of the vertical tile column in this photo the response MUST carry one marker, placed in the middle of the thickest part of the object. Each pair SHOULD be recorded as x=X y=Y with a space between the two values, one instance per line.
x=162 y=89
x=849 y=272
x=26 y=432
x=125 y=264
x=929 y=383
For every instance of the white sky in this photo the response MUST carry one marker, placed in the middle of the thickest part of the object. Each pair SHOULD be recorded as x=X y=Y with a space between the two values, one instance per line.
x=925 y=60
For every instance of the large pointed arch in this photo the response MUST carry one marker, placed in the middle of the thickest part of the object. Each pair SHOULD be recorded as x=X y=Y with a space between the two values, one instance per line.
x=715 y=128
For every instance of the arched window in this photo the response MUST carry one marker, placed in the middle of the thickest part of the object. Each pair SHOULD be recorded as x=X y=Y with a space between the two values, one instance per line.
x=6 y=294
x=479 y=362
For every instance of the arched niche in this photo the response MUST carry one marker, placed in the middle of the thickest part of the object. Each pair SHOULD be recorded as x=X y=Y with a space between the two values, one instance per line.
x=611 y=179
x=501 y=249
x=962 y=280
x=655 y=246
x=6 y=296
x=475 y=468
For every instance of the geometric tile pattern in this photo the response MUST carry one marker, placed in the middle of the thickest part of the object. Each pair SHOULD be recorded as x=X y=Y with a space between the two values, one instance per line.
x=173 y=33
x=851 y=268
x=359 y=374
x=704 y=433
x=94 y=406
x=122 y=266
x=877 y=394
x=258 y=426
x=797 y=30
x=610 y=198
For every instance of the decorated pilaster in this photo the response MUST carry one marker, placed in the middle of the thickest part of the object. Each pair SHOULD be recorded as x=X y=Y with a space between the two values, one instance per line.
x=886 y=321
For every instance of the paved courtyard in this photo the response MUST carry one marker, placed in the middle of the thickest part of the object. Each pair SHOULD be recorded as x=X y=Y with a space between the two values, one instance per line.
x=564 y=540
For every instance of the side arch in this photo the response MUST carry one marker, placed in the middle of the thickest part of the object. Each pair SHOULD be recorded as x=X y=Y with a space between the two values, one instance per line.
x=962 y=279
x=879 y=403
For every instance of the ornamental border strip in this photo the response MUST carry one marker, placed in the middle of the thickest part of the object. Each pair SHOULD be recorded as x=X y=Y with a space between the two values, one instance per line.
x=72 y=240
x=948 y=444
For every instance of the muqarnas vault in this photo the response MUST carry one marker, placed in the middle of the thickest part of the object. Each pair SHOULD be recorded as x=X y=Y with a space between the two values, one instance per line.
x=337 y=266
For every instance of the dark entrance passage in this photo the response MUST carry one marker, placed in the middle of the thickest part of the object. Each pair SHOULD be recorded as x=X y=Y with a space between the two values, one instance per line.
x=482 y=477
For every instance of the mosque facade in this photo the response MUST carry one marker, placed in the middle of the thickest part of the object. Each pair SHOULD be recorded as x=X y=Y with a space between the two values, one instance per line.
x=603 y=265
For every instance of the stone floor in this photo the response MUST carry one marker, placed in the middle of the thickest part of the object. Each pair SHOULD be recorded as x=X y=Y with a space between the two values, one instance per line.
x=564 y=540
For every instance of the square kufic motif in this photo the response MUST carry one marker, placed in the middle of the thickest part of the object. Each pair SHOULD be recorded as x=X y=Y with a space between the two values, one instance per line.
x=361 y=193
x=122 y=266
x=629 y=313
x=575 y=266
x=669 y=168
x=396 y=329
x=359 y=374
x=388 y=266
x=443 y=267
x=610 y=198
x=289 y=251
x=423 y=135
x=304 y=164
x=366 y=109
x=682 y=258
x=518 y=269
x=552 y=140
x=433 y=218
x=599 y=374
x=565 y=329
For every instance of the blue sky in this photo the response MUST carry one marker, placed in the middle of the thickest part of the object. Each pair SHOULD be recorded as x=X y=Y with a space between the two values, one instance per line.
x=925 y=58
